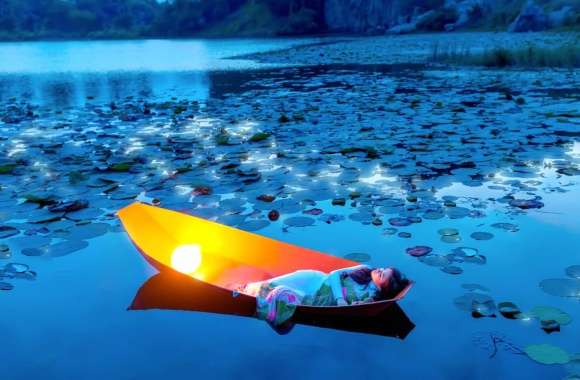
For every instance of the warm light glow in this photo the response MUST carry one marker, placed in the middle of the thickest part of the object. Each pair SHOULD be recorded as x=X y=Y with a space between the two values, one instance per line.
x=186 y=258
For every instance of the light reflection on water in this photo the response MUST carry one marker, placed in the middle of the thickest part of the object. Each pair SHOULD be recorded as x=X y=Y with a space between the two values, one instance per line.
x=63 y=74
x=79 y=326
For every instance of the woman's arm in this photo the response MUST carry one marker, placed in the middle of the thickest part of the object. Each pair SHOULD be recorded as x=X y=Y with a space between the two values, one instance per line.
x=336 y=285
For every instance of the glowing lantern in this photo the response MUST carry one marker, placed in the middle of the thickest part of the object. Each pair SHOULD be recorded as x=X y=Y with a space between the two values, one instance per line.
x=186 y=258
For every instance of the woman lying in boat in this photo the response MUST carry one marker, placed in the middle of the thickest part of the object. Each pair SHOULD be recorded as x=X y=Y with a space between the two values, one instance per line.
x=278 y=297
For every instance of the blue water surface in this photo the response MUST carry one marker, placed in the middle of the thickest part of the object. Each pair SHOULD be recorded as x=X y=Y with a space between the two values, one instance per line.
x=73 y=321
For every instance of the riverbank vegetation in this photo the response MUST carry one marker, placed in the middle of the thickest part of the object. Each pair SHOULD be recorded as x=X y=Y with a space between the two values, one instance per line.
x=60 y=19
x=564 y=56
x=110 y=19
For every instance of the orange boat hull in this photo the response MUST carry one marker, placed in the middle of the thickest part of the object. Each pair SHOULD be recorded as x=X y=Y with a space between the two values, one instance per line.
x=232 y=257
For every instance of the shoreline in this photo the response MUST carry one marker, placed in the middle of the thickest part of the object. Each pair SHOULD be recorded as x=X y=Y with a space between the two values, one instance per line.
x=400 y=49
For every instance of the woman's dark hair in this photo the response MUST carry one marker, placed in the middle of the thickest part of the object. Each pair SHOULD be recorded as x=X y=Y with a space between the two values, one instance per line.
x=398 y=282
x=362 y=276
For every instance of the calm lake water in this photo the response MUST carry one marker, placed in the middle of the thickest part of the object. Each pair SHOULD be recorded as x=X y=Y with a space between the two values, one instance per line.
x=446 y=162
x=72 y=73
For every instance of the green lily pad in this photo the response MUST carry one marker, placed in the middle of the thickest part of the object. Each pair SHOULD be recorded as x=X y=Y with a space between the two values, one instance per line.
x=260 y=136
x=7 y=168
x=547 y=313
x=509 y=310
x=8 y=231
x=299 y=221
x=547 y=354
x=481 y=235
x=358 y=256
x=448 y=232
x=561 y=287
x=452 y=239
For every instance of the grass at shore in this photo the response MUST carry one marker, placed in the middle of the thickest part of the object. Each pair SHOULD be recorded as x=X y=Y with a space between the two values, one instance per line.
x=564 y=56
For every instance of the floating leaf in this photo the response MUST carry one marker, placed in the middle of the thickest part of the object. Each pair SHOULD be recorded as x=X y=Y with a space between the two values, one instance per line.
x=526 y=204
x=561 y=287
x=473 y=287
x=452 y=239
x=547 y=354
x=419 y=250
x=400 y=222
x=573 y=271
x=435 y=260
x=358 y=256
x=481 y=236
x=550 y=326
x=254 y=225
x=465 y=302
x=451 y=269
x=299 y=221
x=506 y=226
x=547 y=313
x=8 y=231
x=16 y=268
x=483 y=309
x=509 y=310
x=448 y=232
x=66 y=247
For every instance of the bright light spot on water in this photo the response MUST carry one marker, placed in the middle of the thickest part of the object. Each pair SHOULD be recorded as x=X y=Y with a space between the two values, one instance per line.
x=186 y=258
x=575 y=149
x=376 y=177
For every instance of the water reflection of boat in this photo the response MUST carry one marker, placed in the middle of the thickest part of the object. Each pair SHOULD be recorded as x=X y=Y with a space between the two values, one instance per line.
x=208 y=258
x=171 y=290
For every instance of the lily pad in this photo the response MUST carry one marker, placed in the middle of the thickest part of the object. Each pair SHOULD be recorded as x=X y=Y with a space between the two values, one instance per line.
x=8 y=231
x=400 y=222
x=358 y=256
x=547 y=354
x=448 y=232
x=254 y=225
x=547 y=313
x=66 y=247
x=483 y=309
x=550 y=326
x=481 y=236
x=526 y=204
x=299 y=221
x=87 y=231
x=16 y=268
x=466 y=251
x=473 y=287
x=509 y=310
x=435 y=260
x=69 y=206
x=452 y=269
x=452 y=239
x=465 y=302
x=573 y=271
x=510 y=227
x=419 y=251
x=561 y=287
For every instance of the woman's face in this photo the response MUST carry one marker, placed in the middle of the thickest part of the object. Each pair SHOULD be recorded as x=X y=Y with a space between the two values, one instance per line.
x=382 y=277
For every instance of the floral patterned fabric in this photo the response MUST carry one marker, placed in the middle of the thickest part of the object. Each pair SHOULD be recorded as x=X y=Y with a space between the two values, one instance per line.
x=276 y=304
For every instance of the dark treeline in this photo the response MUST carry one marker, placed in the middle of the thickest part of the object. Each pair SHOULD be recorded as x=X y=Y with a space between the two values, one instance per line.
x=23 y=19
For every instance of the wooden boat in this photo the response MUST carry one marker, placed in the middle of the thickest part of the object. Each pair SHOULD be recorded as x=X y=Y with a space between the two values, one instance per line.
x=171 y=290
x=224 y=257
